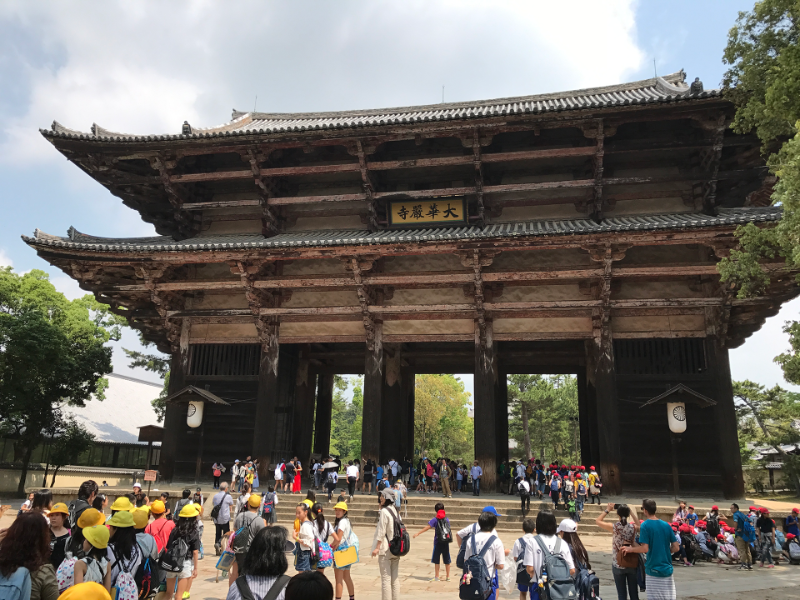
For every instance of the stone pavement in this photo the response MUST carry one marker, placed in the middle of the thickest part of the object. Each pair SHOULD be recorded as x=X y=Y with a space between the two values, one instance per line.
x=706 y=581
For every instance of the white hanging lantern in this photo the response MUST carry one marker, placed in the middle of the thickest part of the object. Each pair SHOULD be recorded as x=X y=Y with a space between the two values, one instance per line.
x=676 y=415
x=194 y=416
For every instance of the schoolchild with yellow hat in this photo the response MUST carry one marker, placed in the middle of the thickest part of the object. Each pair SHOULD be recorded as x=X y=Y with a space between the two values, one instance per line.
x=123 y=551
x=147 y=542
x=94 y=565
x=343 y=538
x=187 y=531
x=59 y=529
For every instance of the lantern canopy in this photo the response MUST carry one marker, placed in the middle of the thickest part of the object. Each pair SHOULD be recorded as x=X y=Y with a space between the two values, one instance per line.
x=676 y=399
x=196 y=399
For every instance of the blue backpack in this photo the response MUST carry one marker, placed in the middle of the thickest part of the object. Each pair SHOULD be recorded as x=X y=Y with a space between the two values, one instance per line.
x=476 y=583
x=463 y=549
x=748 y=532
x=586 y=582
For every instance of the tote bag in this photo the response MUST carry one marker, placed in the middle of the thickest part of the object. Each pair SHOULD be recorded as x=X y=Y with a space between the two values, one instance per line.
x=347 y=554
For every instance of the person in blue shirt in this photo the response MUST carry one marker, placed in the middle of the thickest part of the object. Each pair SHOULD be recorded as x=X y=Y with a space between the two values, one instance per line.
x=691 y=517
x=657 y=540
x=380 y=473
x=745 y=556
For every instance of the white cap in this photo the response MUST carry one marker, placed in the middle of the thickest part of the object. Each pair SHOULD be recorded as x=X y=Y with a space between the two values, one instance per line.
x=138 y=485
x=568 y=526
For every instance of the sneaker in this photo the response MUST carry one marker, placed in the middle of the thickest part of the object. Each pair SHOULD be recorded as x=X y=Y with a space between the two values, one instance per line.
x=434 y=579
x=185 y=595
x=217 y=549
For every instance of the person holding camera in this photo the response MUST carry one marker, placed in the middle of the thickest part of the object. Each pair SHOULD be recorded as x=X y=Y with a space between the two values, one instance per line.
x=623 y=534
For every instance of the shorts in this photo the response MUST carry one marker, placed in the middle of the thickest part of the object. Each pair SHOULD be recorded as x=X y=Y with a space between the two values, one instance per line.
x=188 y=567
x=302 y=559
x=368 y=478
x=441 y=551
x=533 y=590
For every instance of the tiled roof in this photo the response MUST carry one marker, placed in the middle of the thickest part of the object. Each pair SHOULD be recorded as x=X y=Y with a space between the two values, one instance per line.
x=670 y=88
x=350 y=237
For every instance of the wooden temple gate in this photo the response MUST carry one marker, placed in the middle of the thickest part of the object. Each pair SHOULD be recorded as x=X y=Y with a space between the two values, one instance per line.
x=576 y=232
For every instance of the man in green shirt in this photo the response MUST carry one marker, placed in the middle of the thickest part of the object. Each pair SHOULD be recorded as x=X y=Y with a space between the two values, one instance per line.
x=657 y=540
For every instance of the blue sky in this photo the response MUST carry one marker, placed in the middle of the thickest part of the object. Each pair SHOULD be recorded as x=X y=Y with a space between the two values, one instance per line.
x=147 y=66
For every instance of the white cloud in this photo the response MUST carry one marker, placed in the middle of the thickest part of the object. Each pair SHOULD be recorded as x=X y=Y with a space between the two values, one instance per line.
x=145 y=67
x=68 y=286
x=5 y=260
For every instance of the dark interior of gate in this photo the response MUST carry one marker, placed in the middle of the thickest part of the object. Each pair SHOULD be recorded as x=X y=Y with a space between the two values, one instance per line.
x=629 y=442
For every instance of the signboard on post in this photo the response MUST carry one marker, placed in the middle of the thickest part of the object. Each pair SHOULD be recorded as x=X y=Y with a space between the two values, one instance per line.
x=150 y=475
x=775 y=465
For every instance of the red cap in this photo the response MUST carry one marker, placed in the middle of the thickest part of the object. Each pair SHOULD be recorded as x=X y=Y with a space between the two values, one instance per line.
x=684 y=528
x=764 y=510
x=583 y=468
x=790 y=536
x=752 y=508
x=721 y=537
x=440 y=514
x=715 y=507
x=796 y=510
x=592 y=467
x=692 y=507
x=701 y=523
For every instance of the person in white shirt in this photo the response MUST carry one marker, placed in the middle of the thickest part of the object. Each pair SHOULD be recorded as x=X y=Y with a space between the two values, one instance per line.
x=318 y=472
x=523 y=550
x=395 y=469
x=495 y=557
x=476 y=473
x=547 y=531
x=322 y=529
x=388 y=563
x=279 y=477
x=352 y=478
x=520 y=471
x=524 y=489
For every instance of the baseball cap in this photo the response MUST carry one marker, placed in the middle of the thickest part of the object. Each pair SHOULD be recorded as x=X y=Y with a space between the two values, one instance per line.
x=790 y=536
x=715 y=507
x=796 y=510
x=90 y=517
x=137 y=485
x=492 y=510
x=568 y=526
x=440 y=514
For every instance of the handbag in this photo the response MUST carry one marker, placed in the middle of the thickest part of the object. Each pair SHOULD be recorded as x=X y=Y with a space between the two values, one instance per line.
x=627 y=561
x=346 y=555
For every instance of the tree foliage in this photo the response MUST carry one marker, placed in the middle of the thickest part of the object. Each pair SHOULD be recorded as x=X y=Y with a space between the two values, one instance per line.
x=544 y=416
x=346 y=418
x=763 y=81
x=442 y=425
x=52 y=352
x=768 y=417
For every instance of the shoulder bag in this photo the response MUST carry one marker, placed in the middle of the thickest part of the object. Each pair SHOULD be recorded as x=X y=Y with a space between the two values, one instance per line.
x=247 y=594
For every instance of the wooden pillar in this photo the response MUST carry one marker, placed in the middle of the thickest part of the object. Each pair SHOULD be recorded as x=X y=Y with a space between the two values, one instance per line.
x=585 y=423
x=266 y=399
x=407 y=414
x=730 y=458
x=602 y=374
x=501 y=416
x=175 y=414
x=303 y=420
x=373 y=395
x=393 y=410
x=485 y=405
x=322 y=428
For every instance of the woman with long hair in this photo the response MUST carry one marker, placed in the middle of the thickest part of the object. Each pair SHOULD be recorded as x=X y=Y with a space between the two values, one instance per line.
x=298 y=474
x=304 y=537
x=342 y=540
x=623 y=534
x=123 y=551
x=186 y=530
x=25 y=558
x=568 y=530
x=42 y=502
x=322 y=529
x=369 y=473
x=241 y=501
x=100 y=502
x=264 y=565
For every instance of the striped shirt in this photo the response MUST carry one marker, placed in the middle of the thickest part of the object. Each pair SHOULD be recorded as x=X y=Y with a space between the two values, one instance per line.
x=258 y=585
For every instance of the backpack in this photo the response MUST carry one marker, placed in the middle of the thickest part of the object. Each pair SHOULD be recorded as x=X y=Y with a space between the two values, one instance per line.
x=269 y=503
x=554 y=484
x=147 y=578
x=443 y=533
x=476 y=584
x=126 y=585
x=332 y=477
x=582 y=488
x=794 y=550
x=748 y=533
x=172 y=557
x=382 y=485
x=712 y=527
x=400 y=542
x=178 y=506
x=277 y=587
x=65 y=574
x=523 y=577
x=217 y=508
x=587 y=583
x=523 y=491
x=463 y=550
x=16 y=586
x=559 y=584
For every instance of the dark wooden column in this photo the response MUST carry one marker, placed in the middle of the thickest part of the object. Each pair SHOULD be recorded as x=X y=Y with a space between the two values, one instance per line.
x=303 y=419
x=407 y=416
x=322 y=428
x=602 y=376
x=175 y=415
x=584 y=420
x=373 y=395
x=266 y=398
x=730 y=457
x=485 y=405
x=393 y=410
x=501 y=418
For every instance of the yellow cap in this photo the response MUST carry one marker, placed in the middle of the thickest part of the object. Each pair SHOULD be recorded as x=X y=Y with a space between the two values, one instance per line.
x=121 y=519
x=90 y=517
x=59 y=507
x=88 y=590
x=140 y=518
x=189 y=511
x=97 y=536
x=158 y=508
x=122 y=503
x=341 y=506
x=254 y=500
x=309 y=503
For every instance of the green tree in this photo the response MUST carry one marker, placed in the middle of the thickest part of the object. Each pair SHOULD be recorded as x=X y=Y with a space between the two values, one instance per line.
x=52 y=352
x=346 y=418
x=544 y=416
x=441 y=417
x=763 y=81
x=767 y=417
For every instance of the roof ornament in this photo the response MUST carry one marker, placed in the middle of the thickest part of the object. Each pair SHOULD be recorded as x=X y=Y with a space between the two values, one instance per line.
x=186 y=129
x=696 y=87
